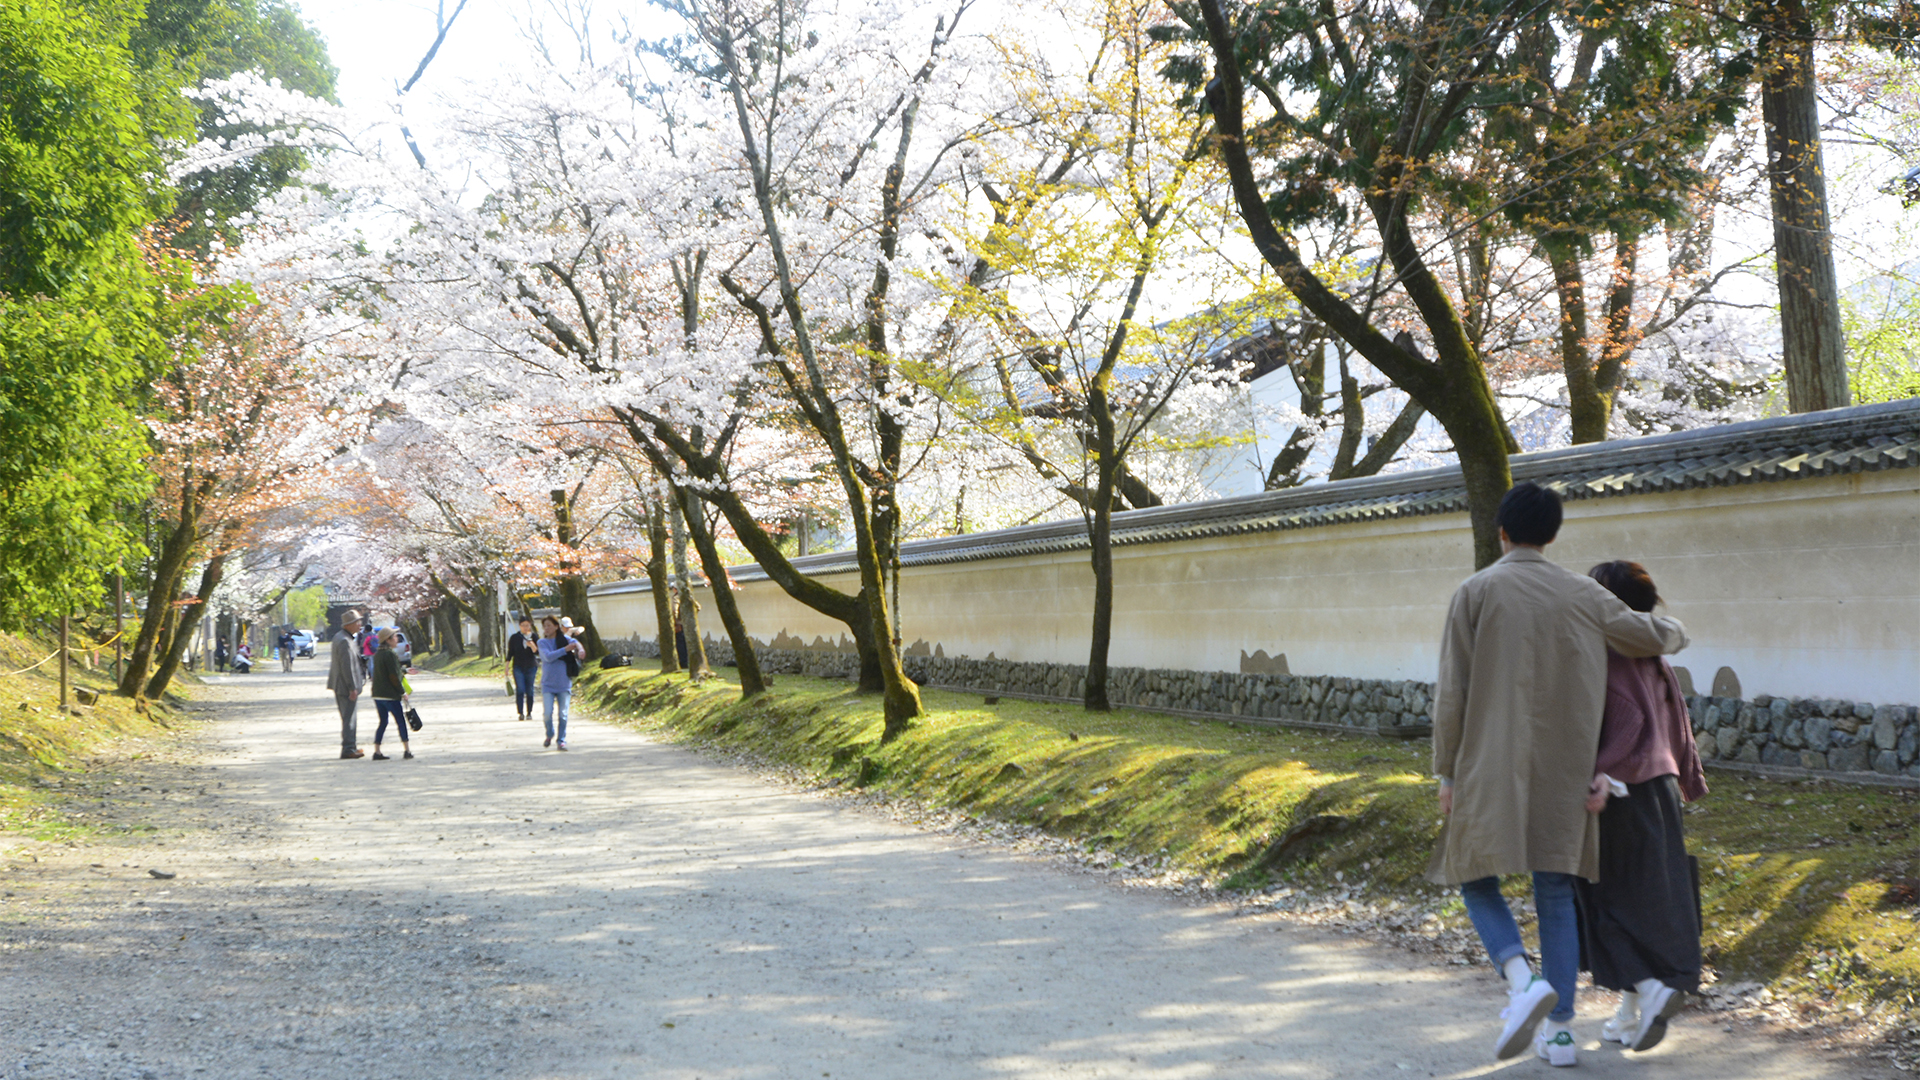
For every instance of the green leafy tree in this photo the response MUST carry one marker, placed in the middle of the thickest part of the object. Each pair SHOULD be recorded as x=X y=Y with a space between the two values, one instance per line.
x=77 y=150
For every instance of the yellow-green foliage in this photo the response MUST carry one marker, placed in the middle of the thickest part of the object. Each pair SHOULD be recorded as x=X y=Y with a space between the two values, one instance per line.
x=38 y=741
x=1794 y=894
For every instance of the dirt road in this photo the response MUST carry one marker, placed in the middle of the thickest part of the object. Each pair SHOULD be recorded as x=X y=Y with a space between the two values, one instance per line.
x=630 y=909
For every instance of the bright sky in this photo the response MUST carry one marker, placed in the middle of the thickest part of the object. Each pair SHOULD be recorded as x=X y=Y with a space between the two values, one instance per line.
x=376 y=44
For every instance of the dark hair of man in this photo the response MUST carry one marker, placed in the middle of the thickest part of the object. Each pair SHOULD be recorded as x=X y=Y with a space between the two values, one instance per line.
x=1629 y=581
x=1530 y=514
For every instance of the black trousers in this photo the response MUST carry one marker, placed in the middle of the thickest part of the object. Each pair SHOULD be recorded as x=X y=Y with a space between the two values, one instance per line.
x=1641 y=920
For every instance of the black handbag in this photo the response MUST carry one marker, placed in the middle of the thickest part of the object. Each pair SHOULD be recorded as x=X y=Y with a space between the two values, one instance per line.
x=573 y=666
x=413 y=718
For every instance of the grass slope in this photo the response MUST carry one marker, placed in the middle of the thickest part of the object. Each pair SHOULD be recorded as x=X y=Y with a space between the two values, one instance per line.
x=38 y=742
x=1808 y=885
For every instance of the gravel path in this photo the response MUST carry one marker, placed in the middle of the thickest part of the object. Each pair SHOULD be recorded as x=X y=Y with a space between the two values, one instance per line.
x=631 y=909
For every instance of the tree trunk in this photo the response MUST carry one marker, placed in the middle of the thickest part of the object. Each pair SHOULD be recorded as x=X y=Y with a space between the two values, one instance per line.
x=573 y=584
x=167 y=572
x=489 y=621
x=1488 y=475
x=169 y=665
x=697 y=666
x=1101 y=542
x=1815 y=353
x=1588 y=404
x=447 y=622
x=658 y=584
x=744 y=656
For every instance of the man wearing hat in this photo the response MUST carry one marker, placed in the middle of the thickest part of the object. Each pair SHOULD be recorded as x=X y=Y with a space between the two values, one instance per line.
x=344 y=678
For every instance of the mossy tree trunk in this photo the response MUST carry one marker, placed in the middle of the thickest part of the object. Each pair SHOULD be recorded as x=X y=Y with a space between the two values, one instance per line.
x=175 y=553
x=658 y=584
x=573 y=583
x=745 y=657
x=689 y=629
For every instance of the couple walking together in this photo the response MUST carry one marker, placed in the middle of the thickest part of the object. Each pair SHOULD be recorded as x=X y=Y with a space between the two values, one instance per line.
x=554 y=657
x=1563 y=749
x=384 y=678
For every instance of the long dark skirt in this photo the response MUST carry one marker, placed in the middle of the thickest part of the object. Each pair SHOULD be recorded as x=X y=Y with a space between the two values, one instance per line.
x=1642 y=918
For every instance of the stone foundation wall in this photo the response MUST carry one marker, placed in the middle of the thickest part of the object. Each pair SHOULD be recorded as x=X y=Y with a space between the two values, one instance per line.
x=1805 y=733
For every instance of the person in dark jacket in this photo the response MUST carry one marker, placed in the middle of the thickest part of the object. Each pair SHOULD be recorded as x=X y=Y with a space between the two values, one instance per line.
x=523 y=654
x=388 y=692
x=1641 y=920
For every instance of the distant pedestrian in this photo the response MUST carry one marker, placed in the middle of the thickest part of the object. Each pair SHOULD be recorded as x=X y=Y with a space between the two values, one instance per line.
x=220 y=655
x=523 y=659
x=1516 y=724
x=556 y=680
x=344 y=677
x=1641 y=920
x=286 y=646
x=388 y=688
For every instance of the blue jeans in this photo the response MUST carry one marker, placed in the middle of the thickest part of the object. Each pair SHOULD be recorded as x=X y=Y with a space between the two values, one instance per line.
x=523 y=690
x=389 y=709
x=564 y=698
x=1559 y=930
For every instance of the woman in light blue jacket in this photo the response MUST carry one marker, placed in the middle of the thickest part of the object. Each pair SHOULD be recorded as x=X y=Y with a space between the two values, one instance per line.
x=556 y=684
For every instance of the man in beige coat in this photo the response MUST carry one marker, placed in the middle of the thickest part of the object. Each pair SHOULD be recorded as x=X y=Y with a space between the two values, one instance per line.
x=1516 y=726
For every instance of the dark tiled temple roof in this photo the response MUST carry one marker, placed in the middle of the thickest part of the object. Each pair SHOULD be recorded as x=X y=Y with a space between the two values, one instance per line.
x=1865 y=438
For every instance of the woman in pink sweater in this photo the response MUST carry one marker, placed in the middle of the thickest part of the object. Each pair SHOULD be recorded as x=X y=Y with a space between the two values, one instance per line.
x=1641 y=921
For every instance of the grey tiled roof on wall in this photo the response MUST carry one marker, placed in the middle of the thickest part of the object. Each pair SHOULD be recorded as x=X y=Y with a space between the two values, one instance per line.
x=1865 y=438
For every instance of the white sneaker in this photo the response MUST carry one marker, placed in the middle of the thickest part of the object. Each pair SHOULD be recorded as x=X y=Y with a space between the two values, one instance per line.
x=1657 y=1006
x=1525 y=1009
x=1619 y=1029
x=1556 y=1047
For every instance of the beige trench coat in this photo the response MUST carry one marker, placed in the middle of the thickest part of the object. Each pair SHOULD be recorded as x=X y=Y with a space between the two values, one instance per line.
x=1516 y=715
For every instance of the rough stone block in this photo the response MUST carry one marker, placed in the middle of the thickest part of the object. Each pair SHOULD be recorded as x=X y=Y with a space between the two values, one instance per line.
x=1847 y=759
x=1812 y=759
x=1888 y=762
x=1775 y=754
x=1886 y=734
x=1708 y=745
x=1750 y=754
x=1818 y=731
x=1908 y=746
x=1730 y=740
x=1795 y=734
x=1862 y=711
x=1750 y=719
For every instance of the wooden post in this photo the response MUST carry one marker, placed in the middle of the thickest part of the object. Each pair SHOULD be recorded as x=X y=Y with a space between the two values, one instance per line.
x=63 y=660
x=119 y=623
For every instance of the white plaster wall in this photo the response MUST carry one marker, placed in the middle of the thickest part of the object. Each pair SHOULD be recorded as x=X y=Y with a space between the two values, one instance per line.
x=1803 y=588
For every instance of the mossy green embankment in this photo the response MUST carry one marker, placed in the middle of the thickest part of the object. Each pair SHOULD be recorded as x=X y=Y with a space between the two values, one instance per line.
x=38 y=741
x=1807 y=885
x=471 y=665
